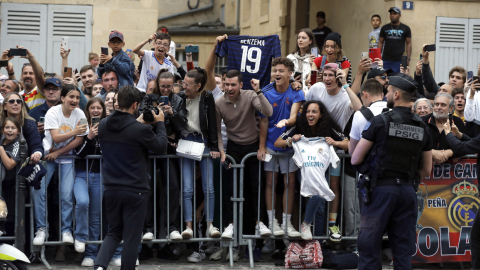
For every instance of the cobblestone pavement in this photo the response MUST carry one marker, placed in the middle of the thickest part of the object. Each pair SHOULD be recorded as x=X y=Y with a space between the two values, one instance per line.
x=182 y=264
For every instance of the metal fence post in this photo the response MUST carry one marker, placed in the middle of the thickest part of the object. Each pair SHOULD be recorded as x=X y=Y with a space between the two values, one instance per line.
x=20 y=224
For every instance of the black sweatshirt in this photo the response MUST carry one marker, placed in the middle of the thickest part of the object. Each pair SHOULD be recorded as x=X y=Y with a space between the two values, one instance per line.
x=125 y=144
x=88 y=147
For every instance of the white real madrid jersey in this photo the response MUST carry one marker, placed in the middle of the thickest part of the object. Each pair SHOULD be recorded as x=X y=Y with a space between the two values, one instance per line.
x=313 y=156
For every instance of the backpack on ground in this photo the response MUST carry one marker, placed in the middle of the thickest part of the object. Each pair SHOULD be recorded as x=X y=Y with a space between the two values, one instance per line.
x=304 y=254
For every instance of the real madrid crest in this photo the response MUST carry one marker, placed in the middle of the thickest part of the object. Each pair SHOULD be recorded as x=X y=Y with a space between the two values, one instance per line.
x=463 y=208
x=320 y=150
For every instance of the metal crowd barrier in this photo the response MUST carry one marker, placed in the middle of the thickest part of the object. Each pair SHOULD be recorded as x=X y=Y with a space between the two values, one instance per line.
x=153 y=158
x=248 y=239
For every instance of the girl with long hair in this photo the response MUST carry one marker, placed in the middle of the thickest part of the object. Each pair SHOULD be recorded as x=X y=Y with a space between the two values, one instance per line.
x=302 y=54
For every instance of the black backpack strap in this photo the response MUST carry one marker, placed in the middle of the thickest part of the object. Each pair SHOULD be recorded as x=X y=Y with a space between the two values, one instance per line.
x=367 y=113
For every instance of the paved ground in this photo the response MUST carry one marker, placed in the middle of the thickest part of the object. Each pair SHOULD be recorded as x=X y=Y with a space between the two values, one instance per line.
x=182 y=264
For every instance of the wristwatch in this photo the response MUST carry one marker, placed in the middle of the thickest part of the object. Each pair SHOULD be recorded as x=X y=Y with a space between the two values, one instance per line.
x=259 y=92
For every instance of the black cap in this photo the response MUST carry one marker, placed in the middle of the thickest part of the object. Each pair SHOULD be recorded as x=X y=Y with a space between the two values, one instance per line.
x=321 y=14
x=395 y=9
x=374 y=72
x=335 y=37
x=402 y=81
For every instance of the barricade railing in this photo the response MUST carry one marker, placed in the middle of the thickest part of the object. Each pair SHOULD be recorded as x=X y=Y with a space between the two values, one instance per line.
x=154 y=159
x=246 y=239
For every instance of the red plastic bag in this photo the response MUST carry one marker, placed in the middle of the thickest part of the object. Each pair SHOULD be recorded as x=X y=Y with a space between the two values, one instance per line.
x=304 y=254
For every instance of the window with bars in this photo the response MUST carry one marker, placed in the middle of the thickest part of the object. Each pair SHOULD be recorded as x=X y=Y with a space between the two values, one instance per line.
x=220 y=64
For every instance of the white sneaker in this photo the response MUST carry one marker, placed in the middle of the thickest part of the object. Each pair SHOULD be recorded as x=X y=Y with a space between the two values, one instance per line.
x=187 y=233
x=148 y=236
x=196 y=257
x=67 y=237
x=213 y=232
x=79 y=246
x=87 y=262
x=264 y=231
x=118 y=262
x=306 y=232
x=236 y=254
x=39 y=237
x=269 y=246
x=291 y=232
x=277 y=231
x=175 y=235
x=228 y=232
x=217 y=254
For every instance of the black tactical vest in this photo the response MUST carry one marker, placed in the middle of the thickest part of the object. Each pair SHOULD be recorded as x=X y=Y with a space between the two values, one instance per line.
x=399 y=157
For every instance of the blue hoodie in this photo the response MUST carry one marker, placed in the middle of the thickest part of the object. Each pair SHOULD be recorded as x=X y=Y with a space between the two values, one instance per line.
x=122 y=65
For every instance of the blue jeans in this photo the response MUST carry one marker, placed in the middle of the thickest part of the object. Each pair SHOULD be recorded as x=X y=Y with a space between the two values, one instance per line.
x=67 y=176
x=88 y=202
x=206 y=167
x=393 y=65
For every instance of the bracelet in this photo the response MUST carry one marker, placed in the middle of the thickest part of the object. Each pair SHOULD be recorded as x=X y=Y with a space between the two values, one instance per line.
x=259 y=92
x=13 y=73
x=289 y=142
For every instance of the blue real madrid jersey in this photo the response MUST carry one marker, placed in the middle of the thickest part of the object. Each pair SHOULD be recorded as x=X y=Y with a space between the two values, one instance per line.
x=251 y=55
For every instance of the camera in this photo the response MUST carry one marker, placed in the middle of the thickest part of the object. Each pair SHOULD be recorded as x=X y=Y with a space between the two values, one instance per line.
x=149 y=104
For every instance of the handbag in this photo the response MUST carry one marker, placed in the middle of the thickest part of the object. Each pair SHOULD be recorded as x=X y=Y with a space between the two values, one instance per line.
x=304 y=254
x=191 y=150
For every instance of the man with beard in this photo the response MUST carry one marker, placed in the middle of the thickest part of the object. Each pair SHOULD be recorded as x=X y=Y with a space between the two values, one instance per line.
x=88 y=77
x=109 y=81
x=459 y=98
x=443 y=106
x=154 y=61
x=395 y=153
x=394 y=36
x=457 y=77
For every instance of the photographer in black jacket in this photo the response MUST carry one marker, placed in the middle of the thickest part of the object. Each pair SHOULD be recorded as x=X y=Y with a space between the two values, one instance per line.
x=126 y=142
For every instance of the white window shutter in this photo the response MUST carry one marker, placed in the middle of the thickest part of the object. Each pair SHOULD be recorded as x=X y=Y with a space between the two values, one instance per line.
x=473 y=45
x=24 y=25
x=452 y=44
x=74 y=22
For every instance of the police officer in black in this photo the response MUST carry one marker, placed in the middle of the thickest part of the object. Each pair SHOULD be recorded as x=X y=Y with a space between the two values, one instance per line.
x=394 y=154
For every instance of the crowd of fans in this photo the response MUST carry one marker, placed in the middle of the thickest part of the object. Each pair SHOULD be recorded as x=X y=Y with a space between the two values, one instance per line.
x=46 y=110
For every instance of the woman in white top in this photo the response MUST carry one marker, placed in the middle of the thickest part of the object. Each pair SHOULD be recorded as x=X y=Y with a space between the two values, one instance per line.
x=63 y=133
x=301 y=56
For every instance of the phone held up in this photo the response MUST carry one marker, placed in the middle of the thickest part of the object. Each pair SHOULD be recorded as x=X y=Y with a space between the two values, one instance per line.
x=469 y=75
x=191 y=49
x=314 y=51
x=3 y=63
x=104 y=50
x=313 y=77
x=67 y=72
x=17 y=52
x=430 y=48
x=95 y=120
x=404 y=61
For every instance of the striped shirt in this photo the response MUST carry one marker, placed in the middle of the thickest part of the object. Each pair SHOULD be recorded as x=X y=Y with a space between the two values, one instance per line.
x=33 y=99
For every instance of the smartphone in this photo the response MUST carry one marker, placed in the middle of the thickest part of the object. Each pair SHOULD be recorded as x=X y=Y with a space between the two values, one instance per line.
x=268 y=157
x=17 y=52
x=65 y=43
x=314 y=51
x=83 y=121
x=313 y=77
x=476 y=78
x=3 y=63
x=469 y=75
x=104 y=50
x=297 y=74
x=374 y=54
x=364 y=55
x=164 y=100
x=421 y=56
x=42 y=120
x=450 y=118
x=430 y=48
x=95 y=120
x=191 y=49
x=404 y=61
x=164 y=30
x=226 y=164
x=67 y=72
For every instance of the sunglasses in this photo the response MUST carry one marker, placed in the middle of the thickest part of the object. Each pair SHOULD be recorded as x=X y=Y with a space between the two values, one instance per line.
x=12 y=101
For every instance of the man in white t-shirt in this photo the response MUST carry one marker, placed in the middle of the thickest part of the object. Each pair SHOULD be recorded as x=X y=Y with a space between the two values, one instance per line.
x=335 y=94
x=154 y=61
x=341 y=102
x=371 y=94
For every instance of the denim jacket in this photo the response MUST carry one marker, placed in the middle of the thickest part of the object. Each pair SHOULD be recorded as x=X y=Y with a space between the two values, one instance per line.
x=122 y=65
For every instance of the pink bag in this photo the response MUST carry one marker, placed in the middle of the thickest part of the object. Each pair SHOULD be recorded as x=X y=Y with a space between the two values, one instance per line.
x=304 y=254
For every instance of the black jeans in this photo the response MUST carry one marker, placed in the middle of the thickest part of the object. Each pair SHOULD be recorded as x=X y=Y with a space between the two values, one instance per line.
x=251 y=189
x=125 y=214
x=173 y=192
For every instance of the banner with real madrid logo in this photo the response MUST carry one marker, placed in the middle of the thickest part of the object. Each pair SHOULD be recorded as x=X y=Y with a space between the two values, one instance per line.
x=447 y=204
